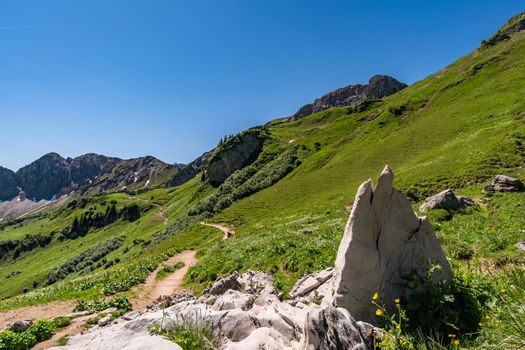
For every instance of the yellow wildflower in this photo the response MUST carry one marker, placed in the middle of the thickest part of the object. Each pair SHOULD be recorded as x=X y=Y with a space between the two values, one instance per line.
x=398 y=326
x=450 y=335
x=379 y=312
x=502 y=290
x=480 y=324
x=396 y=300
x=376 y=296
x=487 y=317
x=455 y=342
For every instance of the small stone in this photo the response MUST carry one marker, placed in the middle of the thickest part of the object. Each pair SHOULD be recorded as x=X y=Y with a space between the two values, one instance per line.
x=104 y=321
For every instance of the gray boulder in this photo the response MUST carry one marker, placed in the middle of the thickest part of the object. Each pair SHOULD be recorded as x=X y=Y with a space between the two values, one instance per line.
x=384 y=241
x=443 y=200
x=20 y=326
x=466 y=202
x=332 y=328
x=521 y=245
x=503 y=183
x=313 y=288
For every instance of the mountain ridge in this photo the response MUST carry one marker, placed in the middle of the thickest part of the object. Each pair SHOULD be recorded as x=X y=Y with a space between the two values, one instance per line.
x=53 y=175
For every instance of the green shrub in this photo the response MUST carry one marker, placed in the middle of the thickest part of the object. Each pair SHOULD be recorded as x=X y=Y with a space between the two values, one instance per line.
x=168 y=269
x=41 y=330
x=119 y=302
x=247 y=181
x=189 y=333
x=62 y=341
x=439 y=215
x=446 y=307
x=16 y=341
x=84 y=260
x=61 y=322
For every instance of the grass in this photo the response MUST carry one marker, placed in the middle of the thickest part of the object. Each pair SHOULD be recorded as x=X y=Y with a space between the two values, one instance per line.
x=457 y=128
x=168 y=270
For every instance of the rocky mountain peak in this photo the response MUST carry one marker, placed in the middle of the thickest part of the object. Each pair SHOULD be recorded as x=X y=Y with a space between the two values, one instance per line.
x=378 y=86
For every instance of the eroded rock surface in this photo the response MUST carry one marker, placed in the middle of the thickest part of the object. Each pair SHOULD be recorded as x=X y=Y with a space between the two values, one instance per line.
x=383 y=242
x=235 y=154
x=378 y=86
x=503 y=183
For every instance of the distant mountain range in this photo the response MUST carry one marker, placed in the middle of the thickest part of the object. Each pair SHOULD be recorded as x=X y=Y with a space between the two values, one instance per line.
x=52 y=175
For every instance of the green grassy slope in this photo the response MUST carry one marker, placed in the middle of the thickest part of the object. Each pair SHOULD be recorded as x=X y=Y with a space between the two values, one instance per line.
x=456 y=128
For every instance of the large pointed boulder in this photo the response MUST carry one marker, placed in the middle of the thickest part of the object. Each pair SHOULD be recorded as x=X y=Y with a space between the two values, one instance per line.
x=384 y=241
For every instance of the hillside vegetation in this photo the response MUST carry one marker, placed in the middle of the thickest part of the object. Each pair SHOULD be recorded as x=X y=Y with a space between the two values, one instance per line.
x=457 y=128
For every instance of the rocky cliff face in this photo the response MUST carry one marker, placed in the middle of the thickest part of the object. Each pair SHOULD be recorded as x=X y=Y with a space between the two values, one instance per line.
x=191 y=170
x=52 y=175
x=8 y=182
x=378 y=86
x=45 y=177
x=235 y=154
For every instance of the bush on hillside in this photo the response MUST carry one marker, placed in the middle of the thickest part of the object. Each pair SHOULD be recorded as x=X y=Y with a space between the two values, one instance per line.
x=247 y=181
x=13 y=248
x=84 y=260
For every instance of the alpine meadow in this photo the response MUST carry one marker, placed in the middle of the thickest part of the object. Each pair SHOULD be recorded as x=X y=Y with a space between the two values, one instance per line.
x=275 y=239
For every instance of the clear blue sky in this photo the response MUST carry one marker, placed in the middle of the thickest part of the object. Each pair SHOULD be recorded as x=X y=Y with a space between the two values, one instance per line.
x=169 y=78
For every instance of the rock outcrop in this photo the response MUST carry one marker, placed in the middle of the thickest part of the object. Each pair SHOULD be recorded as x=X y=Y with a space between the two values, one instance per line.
x=514 y=25
x=236 y=153
x=8 y=183
x=191 y=170
x=446 y=200
x=383 y=242
x=503 y=183
x=245 y=312
x=378 y=87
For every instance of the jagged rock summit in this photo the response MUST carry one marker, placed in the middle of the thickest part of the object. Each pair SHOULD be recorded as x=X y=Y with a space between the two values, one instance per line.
x=378 y=86
x=383 y=242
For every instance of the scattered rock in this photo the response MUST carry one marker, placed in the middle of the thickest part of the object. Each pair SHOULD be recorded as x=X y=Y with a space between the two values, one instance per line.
x=165 y=301
x=383 y=242
x=109 y=310
x=503 y=183
x=466 y=202
x=332 y=328
x=443 y=200
x=251 y=282
x=521 y=245
x=19 y=326
x=104 y=321
x=78 y=314
x=234 y=299
x=310 y=282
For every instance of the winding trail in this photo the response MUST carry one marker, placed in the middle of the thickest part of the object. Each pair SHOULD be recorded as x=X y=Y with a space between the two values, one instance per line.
x=145 y=294
x=152 y=288
x=34 y=312
x=228 y=232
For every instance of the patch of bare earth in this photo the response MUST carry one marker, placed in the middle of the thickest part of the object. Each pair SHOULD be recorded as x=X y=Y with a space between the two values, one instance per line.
x=228 y=232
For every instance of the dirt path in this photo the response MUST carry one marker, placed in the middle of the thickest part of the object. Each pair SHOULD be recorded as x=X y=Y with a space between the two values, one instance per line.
x=75 y=327
x=228 y=232
x=152 y=289
x=147 y=293
x=36 y=312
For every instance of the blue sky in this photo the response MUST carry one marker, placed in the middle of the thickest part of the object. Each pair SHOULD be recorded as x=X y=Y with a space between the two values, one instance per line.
x=169 y=78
